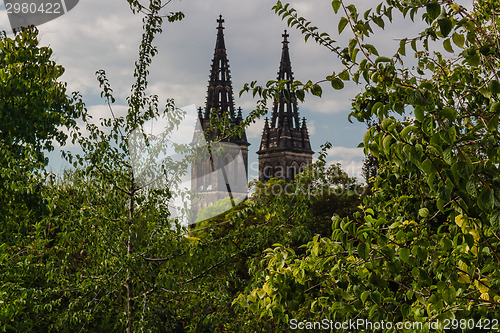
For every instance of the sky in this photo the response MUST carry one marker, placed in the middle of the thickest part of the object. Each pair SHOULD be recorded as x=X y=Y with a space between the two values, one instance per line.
x=99 y=34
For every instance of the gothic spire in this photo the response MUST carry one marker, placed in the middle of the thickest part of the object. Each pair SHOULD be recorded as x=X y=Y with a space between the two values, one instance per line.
x=285 y=111
x=220 y=90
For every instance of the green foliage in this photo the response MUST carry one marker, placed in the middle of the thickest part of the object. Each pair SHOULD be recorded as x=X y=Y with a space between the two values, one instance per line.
x=33 y=107
x=95 y=251
x=73 y=250
x=423 y=248
x=33 y=103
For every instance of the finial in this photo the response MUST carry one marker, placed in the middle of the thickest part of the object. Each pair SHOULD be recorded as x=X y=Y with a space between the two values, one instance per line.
x=285 y=36
x=220 y=21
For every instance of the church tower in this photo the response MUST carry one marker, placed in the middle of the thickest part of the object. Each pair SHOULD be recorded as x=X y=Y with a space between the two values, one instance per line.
x=285 y=148
x=221 y=170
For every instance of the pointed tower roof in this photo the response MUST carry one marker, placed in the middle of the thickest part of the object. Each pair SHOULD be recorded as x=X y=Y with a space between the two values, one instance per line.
x=285 y=110
x=285 y=132
x=220 y=90
x=220 y=97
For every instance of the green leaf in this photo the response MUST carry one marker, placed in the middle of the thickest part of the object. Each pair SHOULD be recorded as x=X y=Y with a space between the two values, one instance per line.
x=423 y=212
x=495 y=108
x=485 y=92
x=386 y=144
x=342 y=23
x=379 y=21
x=346 y=296
x=448 y=155
x=413 y=44
x=353 y=54
x=344 y=75
x=366 y=138
x=352 y=44
x=449 y=113
x=336 y=5
x=469 y=239
x=376 y=297
x=495 y=219
x=337 y=84
x=362 y=251
x=419 y=113
x=452 y=134
x=447 y=45
x=458 y=39
x=485 y=49
x=493 y=123
x=364 y=296
x=494 y=86
x=486 y=200
x=404 y=133
x=471 y=187
x=445 y=26
x=474 y=60
x=402 y=47
x=299 y=93
x=404 y=254
x=449 y=294
x=382 y=59
x=433 y=10
x=427 y=167
x=371 y=49
x=316 y=90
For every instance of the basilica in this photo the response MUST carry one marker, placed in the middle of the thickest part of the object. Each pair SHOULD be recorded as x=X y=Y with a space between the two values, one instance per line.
x=285 y=148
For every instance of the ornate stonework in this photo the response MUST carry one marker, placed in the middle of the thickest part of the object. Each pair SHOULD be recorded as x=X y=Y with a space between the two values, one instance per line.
x=285 y=148
x=209 y=176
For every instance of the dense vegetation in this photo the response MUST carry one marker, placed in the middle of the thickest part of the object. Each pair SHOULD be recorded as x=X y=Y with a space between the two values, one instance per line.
x=93 y=251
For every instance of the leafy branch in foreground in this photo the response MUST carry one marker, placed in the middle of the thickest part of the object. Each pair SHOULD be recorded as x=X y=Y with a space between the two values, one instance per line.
x=423 y=248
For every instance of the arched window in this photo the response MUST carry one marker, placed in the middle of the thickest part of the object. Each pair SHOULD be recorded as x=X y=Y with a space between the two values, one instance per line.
x=303 y=165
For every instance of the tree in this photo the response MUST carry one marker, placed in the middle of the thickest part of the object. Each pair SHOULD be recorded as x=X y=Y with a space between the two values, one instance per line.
x=34 y=111
x=33 y=103
x=424 y=246
x=77 y=264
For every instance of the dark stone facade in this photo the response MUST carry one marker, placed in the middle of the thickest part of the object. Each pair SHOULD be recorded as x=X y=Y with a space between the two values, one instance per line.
x=284 y=151
x=218 y=172
x=285 y=148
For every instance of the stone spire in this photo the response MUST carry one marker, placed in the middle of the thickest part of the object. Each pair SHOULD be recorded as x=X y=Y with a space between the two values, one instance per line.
x=285 y=109
x=220 y=89
x=285 y=148
x=217 y=173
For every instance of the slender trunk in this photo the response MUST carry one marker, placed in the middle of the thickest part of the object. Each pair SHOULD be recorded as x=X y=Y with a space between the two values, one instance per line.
x=128 y=286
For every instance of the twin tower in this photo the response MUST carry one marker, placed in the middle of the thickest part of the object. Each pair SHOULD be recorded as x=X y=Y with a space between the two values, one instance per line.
x=285 y=148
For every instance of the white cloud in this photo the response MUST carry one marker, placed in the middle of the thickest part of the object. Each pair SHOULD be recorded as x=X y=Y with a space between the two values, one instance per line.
x=353 y=169
x=311 y=127
x=254 y=131
x=328 y=106
x=345 y=153
x=351 y=160
x=103 y=111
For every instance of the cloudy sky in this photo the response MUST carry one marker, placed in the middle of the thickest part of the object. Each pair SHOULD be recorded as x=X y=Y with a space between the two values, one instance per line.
x=99 y=34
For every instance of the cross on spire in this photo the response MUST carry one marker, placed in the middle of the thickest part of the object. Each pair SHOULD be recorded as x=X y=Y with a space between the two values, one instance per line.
x=220 y=20
x=285 y=36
